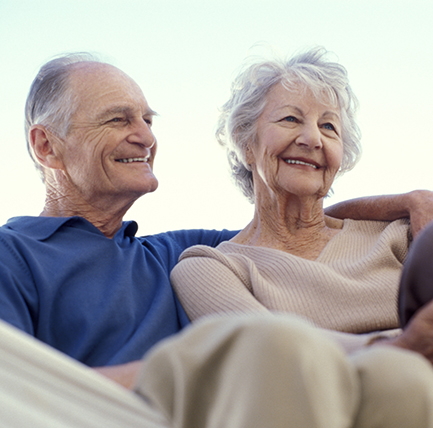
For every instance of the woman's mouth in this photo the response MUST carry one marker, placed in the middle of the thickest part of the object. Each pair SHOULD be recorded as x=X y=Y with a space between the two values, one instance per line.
x=299 y=162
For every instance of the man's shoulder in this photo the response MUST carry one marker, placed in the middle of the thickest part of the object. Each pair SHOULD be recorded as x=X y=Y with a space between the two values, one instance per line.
x=189 y=237
x=37 y=228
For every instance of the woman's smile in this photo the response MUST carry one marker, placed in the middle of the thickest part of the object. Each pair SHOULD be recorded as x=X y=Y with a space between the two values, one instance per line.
x=300 y=162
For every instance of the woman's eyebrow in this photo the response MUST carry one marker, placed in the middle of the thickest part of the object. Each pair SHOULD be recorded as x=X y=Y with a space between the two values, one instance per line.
x=331 y=113
x=297 y=109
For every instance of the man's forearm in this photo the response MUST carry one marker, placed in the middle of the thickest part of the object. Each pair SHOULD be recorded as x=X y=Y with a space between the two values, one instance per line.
x=416 y=205
x=383 y=207
x=123 y=374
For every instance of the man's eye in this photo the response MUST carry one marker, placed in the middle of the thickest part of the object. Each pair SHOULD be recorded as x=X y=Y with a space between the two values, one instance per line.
x=116 y=120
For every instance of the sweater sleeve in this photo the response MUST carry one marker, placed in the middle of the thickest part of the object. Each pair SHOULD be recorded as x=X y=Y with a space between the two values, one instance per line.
x=207 y=282
x=212 y=285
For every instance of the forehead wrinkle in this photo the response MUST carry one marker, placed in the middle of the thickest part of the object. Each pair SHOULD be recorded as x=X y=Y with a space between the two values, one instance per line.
x=301 y=112
x=331 y=113
x=298 y=110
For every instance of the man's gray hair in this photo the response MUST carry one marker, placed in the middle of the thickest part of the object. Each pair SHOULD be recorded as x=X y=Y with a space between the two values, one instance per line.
x=50 y=101
x=237 y=124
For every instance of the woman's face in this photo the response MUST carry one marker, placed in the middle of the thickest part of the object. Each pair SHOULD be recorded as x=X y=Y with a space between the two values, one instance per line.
x=299 y=148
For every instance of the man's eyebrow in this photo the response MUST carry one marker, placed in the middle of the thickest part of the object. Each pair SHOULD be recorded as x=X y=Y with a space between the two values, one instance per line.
x=151 y=112
x=126 y=110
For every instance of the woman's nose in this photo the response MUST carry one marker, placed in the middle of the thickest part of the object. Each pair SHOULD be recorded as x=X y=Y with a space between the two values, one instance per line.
x=310 y=137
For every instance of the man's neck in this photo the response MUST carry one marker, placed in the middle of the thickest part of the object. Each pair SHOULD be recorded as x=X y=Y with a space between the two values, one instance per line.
x=107 y=217
x=109 y=226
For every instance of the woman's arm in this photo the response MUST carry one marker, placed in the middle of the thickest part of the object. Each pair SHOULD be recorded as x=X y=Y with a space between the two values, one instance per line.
x=417 y=205
x=206 y=286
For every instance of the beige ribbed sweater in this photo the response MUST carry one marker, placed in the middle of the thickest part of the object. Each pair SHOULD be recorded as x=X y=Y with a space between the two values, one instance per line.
x=351 y=287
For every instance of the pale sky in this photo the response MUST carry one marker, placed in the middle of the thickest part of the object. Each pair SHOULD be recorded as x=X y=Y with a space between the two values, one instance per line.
x=184 y=55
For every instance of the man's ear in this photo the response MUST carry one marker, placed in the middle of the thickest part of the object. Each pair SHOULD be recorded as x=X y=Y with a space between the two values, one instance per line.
x=43 y=144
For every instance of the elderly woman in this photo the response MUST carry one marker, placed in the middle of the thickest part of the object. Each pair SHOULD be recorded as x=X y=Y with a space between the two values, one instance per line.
x=289 y=128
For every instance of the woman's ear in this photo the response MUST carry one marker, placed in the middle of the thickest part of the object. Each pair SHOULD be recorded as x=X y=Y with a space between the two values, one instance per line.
x=249 y=156
x=43 y=144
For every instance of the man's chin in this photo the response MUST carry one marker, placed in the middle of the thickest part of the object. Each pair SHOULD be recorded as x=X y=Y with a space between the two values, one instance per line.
x=150 y=187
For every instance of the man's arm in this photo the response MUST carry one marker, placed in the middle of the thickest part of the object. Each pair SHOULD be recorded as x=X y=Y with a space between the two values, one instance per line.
x=123 y=374
x=416 y=205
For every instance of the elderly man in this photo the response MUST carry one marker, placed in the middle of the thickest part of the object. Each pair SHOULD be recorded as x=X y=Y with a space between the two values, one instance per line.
x=78 y=279
x=90 y=288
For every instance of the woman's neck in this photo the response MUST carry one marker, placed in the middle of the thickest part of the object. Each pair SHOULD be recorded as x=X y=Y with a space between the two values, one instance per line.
x=298 y=227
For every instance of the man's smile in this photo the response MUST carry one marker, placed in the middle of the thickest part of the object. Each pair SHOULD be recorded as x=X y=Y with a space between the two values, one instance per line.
x=130 y=160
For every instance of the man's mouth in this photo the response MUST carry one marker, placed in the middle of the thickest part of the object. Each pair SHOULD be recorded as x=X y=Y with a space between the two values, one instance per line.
x=130 y=160
x=298 y=162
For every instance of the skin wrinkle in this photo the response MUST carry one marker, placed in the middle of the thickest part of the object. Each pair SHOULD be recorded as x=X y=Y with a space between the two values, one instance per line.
x=288 y=197
x=82 y=207
x=83 y=177
x=122 y=110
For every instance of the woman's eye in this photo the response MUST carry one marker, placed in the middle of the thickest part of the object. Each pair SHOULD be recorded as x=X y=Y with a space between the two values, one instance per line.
x=329 y=126
x=290 y=119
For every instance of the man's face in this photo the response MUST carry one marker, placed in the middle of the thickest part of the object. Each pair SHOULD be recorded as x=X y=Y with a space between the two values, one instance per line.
x=109 y=151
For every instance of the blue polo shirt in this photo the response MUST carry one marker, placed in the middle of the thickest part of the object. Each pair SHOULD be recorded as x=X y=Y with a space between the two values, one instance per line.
x=101 y=301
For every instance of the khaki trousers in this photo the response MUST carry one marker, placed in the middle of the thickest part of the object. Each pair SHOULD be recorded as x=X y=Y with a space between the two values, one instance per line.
x=237 y=371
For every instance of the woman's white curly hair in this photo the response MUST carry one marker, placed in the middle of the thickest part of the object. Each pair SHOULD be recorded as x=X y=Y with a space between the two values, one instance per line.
x=236 y=127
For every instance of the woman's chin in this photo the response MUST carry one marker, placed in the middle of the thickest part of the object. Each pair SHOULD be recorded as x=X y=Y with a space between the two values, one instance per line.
x=311 y=193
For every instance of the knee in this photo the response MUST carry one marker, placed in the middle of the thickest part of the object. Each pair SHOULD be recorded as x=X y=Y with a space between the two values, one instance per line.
x=287 y=347
x=282 y=335
x=278 y=361
x=313 y=372
x=387 y=367
x=284 y=340
x=396 y=388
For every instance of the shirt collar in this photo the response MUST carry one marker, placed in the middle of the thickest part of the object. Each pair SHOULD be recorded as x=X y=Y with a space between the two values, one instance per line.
x=41 y=228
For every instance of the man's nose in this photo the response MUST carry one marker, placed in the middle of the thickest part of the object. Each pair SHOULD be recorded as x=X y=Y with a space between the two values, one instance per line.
x=143 y=134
